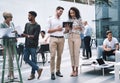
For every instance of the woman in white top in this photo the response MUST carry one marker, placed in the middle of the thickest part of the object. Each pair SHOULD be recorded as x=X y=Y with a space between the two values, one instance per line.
x=74 y=39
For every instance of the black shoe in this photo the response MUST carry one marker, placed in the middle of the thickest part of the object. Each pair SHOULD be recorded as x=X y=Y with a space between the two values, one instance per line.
x=59 y=74
x=52 y=77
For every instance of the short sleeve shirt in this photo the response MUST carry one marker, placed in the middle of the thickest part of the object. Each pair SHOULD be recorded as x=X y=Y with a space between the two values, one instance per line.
x=53 y=22
x=111 y=43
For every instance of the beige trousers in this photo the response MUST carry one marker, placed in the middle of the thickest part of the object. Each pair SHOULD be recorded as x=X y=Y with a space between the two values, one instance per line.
x=56 y=48
x=10 y=54
x=74 y=42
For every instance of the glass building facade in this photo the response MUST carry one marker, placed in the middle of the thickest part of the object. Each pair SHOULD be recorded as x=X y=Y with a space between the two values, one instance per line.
x=89 y=2
x=107 y=18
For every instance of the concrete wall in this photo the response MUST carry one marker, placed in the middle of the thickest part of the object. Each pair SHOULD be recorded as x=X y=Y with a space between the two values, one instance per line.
x=44 y=8
x=112 y=24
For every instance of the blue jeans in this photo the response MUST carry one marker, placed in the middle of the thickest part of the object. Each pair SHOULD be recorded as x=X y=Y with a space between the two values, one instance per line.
x=33 y=61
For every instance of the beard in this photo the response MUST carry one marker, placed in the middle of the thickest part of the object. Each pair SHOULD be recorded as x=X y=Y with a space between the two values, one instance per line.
x=30 y=19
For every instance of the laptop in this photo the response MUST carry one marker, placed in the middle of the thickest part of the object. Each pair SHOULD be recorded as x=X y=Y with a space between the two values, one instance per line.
x=101 y=62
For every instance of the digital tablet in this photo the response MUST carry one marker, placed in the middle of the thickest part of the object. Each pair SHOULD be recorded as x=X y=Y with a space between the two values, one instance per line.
x=67 y=23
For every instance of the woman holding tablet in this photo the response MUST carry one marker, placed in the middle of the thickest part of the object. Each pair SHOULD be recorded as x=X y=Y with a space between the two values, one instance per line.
x=74 y=39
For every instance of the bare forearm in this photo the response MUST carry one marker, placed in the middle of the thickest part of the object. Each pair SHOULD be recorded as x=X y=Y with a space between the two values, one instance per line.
x=55 y=29
x=117 y=47
x=52 y=30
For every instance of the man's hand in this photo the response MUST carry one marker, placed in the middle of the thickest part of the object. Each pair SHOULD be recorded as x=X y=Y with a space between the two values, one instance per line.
x=108 y=49
x=59 y=28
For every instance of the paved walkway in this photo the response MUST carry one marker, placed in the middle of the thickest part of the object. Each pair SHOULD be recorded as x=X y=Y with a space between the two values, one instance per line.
x=88 y=74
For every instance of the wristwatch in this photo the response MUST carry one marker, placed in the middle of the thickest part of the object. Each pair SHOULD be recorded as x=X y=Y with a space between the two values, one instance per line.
x=28 y=36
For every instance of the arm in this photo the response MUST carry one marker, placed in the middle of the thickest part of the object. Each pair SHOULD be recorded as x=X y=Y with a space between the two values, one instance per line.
x=106 y=48
x=47 y=38
x=80 y=25
x=52 y=30
x=117 y=46
x=25 y=33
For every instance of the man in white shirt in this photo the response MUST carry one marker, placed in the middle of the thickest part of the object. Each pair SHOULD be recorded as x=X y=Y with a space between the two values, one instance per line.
x=110 y=45
x=56 y=43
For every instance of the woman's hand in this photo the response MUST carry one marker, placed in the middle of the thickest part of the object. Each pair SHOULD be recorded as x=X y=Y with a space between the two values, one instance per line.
x=77 y=28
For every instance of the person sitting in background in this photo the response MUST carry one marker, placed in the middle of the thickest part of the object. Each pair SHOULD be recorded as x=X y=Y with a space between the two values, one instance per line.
x=110 y=45
x=43 y=40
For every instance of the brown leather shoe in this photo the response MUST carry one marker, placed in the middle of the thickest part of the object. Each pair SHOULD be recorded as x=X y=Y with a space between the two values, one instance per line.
x=32 y=76
x=39 y=73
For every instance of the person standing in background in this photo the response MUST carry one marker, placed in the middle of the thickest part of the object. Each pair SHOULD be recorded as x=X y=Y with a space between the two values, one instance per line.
x=9 y=43
x=82 y=44
x=74 y=39
x=87 y=39
x=31 y=34
x=56 y=41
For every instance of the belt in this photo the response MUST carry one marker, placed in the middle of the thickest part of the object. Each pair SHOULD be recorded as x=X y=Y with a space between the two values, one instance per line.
x=57 y=36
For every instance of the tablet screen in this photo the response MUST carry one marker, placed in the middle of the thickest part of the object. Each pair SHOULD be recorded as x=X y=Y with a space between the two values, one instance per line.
x=67 y=24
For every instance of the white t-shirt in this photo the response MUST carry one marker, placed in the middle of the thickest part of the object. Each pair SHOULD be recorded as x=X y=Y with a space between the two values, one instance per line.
x=42 y=40
x=111 y=43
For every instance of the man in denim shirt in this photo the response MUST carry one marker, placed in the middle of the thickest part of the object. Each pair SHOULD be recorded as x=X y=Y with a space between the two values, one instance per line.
x=87 y=39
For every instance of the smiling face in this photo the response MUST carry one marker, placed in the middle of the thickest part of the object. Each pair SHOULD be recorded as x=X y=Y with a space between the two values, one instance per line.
x=109 y=36
x=7 y=16
x=59 y=12
x=72 y=14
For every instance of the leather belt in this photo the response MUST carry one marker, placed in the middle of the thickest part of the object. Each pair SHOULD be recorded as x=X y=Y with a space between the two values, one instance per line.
x=57 y=36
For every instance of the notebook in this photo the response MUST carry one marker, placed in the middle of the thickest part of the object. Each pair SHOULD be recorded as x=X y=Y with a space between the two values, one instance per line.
x=6 y=33
x=101 y=62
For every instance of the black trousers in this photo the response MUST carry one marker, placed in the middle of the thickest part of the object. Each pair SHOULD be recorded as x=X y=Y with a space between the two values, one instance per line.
x=108 y=53
x=87 y=40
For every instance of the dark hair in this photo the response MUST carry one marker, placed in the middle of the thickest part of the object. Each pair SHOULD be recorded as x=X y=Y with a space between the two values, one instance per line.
x=107 y=32
x=59 y=7
x=77 y=13
x=33 y=13
x=43 y=32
